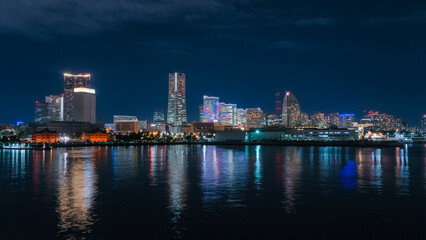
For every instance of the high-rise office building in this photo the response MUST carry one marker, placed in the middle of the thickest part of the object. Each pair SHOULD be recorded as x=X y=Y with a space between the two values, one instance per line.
x=255 y=118
x=126 y=124
x=159 y=116
x=41 y=112
x=229 y=116
x=241 y=117
x=55 y=107
x=213 y=111
x=347 y=120
x=318 y=119
x=272 y=120
x=382 y=121
x=84 y=101
x=423 y=123
x=278 y=103
x=176 y=110
x=291 y=110
x=334 y=119
x=49 y=110
x=304 y=119
x=142 y=125
x=210 y=111
x=70 y=82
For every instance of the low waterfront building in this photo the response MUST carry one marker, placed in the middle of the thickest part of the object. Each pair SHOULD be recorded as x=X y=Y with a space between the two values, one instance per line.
x=235 y=135
x=159 y=126
x=301 y=134
x=179 y=130
x=96 y=136
x=201 y=128
x=223 y=127
x=67 y=128
x=110 y=127
x=45 y=136
x=126 y=124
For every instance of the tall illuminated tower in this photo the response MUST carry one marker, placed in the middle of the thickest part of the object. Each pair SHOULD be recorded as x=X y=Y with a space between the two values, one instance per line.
x=70 y=82
x=84 y=105
x=176 y=110
x=278 y=103
x=291 y=110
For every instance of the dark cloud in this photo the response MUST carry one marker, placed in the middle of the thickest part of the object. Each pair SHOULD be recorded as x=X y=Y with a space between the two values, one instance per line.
x=285 y=44
x=315 y=21
x=80 y=17
x=85 y=16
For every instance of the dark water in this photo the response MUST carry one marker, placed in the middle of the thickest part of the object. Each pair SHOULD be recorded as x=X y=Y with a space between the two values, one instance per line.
x=199 y=192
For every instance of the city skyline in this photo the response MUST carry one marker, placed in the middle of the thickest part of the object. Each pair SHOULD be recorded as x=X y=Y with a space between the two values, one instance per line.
x=84 y=79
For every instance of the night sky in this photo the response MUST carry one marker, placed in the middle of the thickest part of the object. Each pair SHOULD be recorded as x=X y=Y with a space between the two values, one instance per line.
x=335 y=56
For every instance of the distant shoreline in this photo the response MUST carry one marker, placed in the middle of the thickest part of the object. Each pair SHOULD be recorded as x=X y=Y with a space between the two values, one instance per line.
x=358 y=143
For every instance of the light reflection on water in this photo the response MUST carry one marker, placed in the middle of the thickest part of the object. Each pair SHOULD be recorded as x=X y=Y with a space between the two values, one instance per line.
x=177 y=184
x=291 y=174
x=176 y=181
x=224 y=176
x=77 y=189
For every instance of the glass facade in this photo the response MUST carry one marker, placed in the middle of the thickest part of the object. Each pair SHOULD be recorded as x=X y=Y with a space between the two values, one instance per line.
x=241 y=117
x=291 y=110
x=176 y=110
x=70 y=82
x=347 y=120
x=255 y=118
x=159 y=116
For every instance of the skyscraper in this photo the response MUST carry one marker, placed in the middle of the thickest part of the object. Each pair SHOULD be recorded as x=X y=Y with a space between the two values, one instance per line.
x=318 y=119
x=382 y=121
x=159 y=115
x=278 y=103
x=291 y=110
x=176 y=110
x=334 y=119
x=346 y=120
x=70 y=82
x=55 y=109
x=210 y=110
x=84 y=105
x=40 y=112
x=229 y=115
x=213 y=111
x=255 y=118
x=49 y=110
x=423 y=123
x=241 y=117
x=304 y=119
